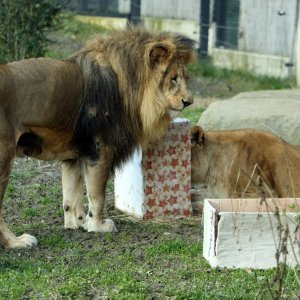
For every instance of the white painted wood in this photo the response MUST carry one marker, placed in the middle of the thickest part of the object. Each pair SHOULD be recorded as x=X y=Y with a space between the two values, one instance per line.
x=209 y=240
x=247 y=232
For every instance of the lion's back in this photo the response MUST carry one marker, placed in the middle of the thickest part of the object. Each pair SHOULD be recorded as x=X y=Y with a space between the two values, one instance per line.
x=39 y=86
x=247 y=155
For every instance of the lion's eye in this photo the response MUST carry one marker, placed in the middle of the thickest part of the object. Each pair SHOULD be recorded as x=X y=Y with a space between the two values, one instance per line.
x=174 y=79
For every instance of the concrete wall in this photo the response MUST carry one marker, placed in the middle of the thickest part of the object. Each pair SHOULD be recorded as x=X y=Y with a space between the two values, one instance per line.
x=267 y=41
x=259 y=64
x=166 y=9
x=269 y=32
x=124 y=6
x=169 y=15
x=188 y=27
x=268 y=27
x=297 y=50
x=171 y=9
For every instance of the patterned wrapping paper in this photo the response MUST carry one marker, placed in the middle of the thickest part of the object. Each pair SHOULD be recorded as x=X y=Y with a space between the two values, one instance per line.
x=166 y=168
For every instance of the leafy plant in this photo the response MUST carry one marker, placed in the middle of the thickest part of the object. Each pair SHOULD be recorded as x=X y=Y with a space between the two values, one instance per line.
x=24 y=25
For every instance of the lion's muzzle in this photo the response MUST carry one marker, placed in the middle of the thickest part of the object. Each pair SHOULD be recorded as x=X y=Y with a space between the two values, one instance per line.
x=188 y=101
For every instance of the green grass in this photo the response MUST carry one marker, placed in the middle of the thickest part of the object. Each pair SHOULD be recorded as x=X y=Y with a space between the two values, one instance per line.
x=144 y=260
x=72 y=36
x=81 y=31
x=211 y=81
x=192 y=113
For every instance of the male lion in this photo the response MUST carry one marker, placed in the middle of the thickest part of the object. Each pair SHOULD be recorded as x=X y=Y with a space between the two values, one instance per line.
x=91 y=111
x=238 y=163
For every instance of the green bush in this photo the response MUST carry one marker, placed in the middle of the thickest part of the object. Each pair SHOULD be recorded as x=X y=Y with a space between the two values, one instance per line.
x=24 y=25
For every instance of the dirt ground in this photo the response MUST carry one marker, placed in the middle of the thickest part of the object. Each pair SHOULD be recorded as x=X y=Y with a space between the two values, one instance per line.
x=32 y=181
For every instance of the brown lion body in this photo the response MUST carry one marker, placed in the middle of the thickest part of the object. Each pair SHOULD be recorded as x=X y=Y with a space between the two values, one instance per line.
x=245 y=163
x=90 y=111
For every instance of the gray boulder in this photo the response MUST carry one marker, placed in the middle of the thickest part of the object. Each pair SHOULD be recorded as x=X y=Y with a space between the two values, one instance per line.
x=275 y=111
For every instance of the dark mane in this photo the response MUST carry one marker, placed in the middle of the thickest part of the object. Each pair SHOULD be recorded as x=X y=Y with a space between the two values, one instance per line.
x=102 y=114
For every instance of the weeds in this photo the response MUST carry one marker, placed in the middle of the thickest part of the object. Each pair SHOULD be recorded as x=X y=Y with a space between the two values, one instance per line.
x=222 y=83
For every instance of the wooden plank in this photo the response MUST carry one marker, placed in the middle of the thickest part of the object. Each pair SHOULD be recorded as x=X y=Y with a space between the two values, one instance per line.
x=267 y=27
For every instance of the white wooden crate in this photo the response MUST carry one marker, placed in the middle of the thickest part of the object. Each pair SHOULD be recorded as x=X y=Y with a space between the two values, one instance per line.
x=243 y=233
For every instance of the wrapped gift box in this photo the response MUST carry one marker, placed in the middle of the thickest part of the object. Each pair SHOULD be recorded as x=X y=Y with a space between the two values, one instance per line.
x=156 y=183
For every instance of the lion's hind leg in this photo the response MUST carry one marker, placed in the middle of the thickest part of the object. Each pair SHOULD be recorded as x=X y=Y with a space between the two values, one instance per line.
x=7 y=154
x=72 y=183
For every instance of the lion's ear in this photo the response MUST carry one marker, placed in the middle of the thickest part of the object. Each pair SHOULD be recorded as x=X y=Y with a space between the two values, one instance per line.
x=160 y=54
x=197 y=135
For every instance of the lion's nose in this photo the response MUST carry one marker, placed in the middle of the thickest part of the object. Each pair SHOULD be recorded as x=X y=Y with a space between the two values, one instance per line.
x=187 y=102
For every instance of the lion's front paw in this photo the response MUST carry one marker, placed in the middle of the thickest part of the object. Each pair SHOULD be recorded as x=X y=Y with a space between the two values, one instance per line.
x=23 y=241
x=93 y=225
x=74 y=218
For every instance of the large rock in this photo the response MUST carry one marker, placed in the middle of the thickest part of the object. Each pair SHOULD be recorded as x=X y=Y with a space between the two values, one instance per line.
x=275 y=111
